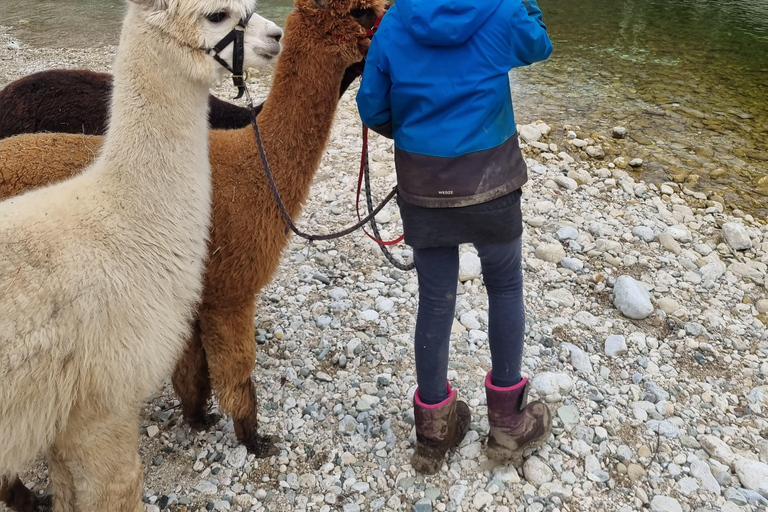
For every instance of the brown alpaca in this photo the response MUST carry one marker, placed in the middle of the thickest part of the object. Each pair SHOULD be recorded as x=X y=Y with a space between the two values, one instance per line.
x=247 y=234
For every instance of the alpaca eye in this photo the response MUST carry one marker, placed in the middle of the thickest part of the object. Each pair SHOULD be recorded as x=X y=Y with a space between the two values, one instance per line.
x=217 y=17
x=357 y=13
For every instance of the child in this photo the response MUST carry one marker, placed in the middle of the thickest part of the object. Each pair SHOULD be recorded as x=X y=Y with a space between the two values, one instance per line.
x=436 y=80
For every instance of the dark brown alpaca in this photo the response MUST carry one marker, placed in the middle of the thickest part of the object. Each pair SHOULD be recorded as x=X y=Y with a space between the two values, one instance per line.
x=77 y=101
x=248 y=234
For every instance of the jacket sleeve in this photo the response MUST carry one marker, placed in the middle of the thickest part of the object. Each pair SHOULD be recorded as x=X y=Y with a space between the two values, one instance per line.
x=373 y=99
x=529 y=40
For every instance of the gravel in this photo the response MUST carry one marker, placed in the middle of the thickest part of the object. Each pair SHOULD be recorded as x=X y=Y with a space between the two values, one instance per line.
x=680 y=407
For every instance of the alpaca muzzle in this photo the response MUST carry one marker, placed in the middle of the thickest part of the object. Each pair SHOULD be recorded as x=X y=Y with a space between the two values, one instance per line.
x=369 y=33
x=236 y=36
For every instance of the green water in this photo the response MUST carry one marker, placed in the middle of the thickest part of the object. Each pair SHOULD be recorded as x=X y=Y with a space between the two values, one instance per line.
x=688 y=78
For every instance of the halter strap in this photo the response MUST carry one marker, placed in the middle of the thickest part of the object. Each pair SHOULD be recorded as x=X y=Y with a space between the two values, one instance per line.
x=236 y=36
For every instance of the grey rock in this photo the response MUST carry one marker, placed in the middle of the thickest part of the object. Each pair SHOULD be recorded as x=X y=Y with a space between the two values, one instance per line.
x=595 y=152
x=657 y=394
x=423 y=505
x=619 y=132
x=631 y=298
x=636 y=162
x=735 y=496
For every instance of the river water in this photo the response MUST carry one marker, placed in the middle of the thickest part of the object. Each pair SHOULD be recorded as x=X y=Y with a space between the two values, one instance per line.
x=687 y=78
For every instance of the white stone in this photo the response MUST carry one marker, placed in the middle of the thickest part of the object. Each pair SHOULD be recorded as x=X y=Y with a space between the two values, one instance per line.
x=152 y=430
x=469 y=266
x=718 y=449
x=566 y=182
x=595 y=151
x=631 y=298
x=205 y=487
x=567 y=233
x=579 y=359
x=668 y=305
x=687 y=485
x=536 y=471
x=644 y=233
x=369 y=315
x=550 y=382
x=530 y=133
x=753 y=475
x=712 y=271
x=661 y=503
x=736 y=236
x=238 y=456
x=701 y=471
x=482 y=499
x=758 y=395
x=636 y=162
x=615 y=345
x=552 y=253
x=561 y=296
x=469 y=321
x=572 y=264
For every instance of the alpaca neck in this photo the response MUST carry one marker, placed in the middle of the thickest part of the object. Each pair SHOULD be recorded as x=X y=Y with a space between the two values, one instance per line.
x=298 y=114
x=158 y=116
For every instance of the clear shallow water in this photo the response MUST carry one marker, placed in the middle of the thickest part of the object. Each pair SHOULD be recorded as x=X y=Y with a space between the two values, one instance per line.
x=688 y=78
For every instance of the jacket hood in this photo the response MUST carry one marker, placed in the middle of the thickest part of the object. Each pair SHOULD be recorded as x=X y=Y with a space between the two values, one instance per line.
x=444 y=22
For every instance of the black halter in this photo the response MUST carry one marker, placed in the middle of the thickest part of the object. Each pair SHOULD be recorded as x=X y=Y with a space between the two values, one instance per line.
x=236 y=36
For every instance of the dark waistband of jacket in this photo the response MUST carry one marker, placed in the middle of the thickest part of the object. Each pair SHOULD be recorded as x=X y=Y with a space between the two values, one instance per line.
x=473 y=178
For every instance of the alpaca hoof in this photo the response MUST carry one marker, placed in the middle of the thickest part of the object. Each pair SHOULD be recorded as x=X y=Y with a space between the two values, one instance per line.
x=205 y=422
x=44 y=503
x=263 y=446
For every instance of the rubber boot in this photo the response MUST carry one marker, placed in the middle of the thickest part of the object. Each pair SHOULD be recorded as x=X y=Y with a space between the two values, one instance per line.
x=515 y=426
x=439 y=428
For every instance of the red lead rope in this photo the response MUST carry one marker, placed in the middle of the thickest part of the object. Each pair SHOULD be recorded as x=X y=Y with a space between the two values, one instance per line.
x=364 y=160
x=363 y=165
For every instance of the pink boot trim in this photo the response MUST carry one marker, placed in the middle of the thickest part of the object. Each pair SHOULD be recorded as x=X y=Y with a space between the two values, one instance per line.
x=451 y=394
x=489 y=384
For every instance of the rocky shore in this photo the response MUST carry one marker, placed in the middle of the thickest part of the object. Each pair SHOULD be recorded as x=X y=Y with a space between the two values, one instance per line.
x=647 y=333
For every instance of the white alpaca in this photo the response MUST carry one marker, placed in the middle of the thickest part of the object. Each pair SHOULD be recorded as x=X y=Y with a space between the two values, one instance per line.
x=99 y=275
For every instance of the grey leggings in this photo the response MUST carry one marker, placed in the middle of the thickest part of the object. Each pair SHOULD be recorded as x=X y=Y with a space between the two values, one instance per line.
x=438 y=272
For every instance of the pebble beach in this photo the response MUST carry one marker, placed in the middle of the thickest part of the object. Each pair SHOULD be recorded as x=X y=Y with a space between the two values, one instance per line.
x=647 y=334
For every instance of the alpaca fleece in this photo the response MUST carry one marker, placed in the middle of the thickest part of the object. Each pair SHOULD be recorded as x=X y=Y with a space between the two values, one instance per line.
x=247 y=233
x=100 y=274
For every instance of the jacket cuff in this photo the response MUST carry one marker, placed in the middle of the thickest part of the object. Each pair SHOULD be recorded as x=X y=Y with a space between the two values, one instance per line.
x=383 y=129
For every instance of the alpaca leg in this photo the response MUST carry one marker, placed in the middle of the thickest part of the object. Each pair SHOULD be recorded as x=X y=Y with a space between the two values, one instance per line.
x=101 y=453
x=62 y=484
x=16 y=496
x=228 y=339
x=193 y=384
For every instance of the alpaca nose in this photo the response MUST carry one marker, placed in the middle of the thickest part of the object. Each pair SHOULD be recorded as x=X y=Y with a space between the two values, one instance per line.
x=277 y=34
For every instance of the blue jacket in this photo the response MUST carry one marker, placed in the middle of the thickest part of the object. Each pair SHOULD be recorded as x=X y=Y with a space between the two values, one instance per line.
x=436 y=79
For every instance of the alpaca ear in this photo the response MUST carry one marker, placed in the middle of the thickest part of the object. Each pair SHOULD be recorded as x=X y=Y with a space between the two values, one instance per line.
x=152 y=5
